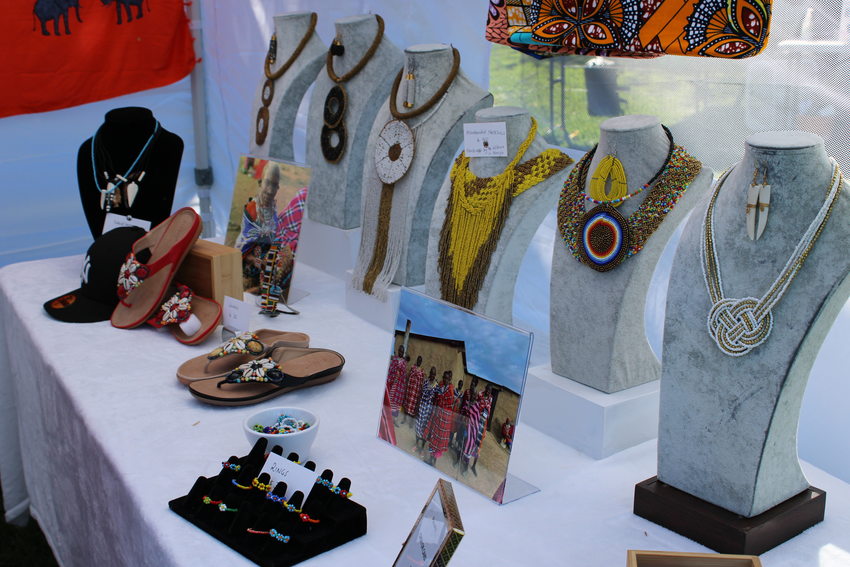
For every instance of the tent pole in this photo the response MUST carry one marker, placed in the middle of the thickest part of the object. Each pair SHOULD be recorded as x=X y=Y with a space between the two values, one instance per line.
x=203 y=169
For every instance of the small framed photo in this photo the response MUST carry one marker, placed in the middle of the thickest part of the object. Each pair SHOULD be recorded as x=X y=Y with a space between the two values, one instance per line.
x=437 y=531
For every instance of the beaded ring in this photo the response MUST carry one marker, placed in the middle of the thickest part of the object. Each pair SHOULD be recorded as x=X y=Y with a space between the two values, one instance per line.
x=260 y=486
x=237 y=485
x=307 y=519
x=232 y=466
x=333 y=488
x=222 y=507
x=272 y=532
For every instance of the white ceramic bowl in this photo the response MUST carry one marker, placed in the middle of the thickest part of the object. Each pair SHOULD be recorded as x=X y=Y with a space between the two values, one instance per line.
x=298 y=442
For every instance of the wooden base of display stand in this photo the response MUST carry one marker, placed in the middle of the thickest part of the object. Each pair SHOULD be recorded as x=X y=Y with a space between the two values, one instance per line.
x=724 y=531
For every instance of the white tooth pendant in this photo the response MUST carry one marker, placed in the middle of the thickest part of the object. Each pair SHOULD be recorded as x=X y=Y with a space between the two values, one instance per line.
x=752 y=206
x=132 y=191
x=764 y=209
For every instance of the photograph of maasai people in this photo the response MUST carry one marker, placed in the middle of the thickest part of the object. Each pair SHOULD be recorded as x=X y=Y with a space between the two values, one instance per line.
x=453 y=389
x=268 y=204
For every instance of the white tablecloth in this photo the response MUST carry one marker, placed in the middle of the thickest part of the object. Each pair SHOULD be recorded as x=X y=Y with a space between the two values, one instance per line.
x=97 y=435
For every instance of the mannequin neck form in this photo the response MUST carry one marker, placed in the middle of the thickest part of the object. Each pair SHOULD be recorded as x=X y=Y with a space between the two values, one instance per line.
x=289 y=31
x=518 y=126
x=127 y=126
x=431 y=64
x=638 y=141
x=356 y=34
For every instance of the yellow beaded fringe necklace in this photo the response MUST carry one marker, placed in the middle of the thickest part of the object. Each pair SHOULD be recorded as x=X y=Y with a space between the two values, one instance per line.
x=476 y=212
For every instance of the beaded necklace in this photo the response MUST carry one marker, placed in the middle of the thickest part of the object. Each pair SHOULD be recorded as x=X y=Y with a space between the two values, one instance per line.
x=739 y=325
x=394 y=151
x=602 y=238
x=263 y=117
x=334 y=133
x=476 y=212
x=129 y=182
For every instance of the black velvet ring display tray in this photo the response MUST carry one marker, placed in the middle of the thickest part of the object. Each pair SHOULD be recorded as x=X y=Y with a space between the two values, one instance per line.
x=260 y=527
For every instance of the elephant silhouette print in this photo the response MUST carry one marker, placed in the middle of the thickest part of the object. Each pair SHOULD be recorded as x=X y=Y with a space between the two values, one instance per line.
x=47 y=10
x=54 y=10
x=127 y=8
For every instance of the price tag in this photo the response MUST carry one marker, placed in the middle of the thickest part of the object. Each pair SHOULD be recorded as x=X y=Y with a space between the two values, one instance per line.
x=236 y=315
x=294 y=475
x=116 y=221
x=485 y=139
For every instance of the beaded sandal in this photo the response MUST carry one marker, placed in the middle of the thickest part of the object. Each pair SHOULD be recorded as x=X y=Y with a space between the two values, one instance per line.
x=190 y=318
x=283 y=370
x=238 y=350
x=142 y=286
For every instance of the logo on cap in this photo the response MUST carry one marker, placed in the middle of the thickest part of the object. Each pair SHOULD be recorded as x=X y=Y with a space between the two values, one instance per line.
x=84 y=274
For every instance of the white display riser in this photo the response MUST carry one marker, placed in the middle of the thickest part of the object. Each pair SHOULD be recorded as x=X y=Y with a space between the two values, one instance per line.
x=369 y=308
x=595 y=423
x=327 y=248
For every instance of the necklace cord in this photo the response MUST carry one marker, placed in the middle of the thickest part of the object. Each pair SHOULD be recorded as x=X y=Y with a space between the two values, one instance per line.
x=105 y=157
x=329 y=62
x=431 y=101
x=274 y=75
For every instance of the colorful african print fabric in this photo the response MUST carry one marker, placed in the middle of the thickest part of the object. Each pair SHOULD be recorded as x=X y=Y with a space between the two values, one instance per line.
x=426 y=407
x=730 y=29
x=440 y=425
x=412 y=393
x=395 y=382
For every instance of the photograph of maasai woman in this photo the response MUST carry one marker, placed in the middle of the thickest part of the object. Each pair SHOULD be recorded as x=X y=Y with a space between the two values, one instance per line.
x=268 y=204
x=453 y=389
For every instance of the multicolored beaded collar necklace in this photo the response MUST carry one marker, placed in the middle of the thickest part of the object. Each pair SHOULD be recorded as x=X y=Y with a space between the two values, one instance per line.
x=602 y=238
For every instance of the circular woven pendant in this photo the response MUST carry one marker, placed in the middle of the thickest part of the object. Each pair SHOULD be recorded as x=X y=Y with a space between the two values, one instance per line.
x=333 y=151
x=604 y=238
x=335 y=104
x=262 y=125
x=394 y=151
x=267 y=94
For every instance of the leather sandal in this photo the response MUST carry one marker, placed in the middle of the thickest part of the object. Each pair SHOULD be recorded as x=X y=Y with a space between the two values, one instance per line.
x=284 y=370
x=142 y=284
x=190 y=318
x=238 y=350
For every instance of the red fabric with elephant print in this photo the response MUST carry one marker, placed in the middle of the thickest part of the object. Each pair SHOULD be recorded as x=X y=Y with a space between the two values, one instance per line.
x=61 y=53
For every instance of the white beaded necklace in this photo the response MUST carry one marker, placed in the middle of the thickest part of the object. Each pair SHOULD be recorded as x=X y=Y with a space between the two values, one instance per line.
x=739 y=325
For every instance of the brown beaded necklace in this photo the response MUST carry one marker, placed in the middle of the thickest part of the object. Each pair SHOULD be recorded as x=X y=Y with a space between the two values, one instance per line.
x=262 y=126
x=394 y=151
x=337 y=99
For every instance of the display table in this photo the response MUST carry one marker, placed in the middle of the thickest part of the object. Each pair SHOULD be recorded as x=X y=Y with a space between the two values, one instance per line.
x=97 y=435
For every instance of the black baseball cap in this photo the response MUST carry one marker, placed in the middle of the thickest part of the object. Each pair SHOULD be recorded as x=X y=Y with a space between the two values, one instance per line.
x=97 y=295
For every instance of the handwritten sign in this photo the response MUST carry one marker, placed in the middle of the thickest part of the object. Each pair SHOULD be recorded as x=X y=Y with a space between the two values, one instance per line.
x=294 y=475
x=485 y=139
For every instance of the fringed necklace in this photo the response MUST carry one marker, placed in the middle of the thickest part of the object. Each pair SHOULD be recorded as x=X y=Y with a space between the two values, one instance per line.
x=601 y=238
x=120 y=190
x=394 y=151
x=334 y=133
x=263 y=117
x=476 y=212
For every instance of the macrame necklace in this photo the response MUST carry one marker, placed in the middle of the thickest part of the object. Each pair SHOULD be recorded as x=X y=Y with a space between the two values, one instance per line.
x=267 y=94
x=476 y=212
x=394 y=151
x=120 y=190
x=334 y=133
x=739 y=325
x=601 y=238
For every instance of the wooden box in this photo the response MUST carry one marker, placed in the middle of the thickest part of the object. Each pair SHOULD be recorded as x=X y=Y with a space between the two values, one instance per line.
x=212 y=270
x=638 y=558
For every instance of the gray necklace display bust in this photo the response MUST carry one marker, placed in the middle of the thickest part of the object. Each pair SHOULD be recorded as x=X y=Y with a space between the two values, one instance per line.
x=728 y=425
x=438 y=133
x=334 y=194
x=290 y=88
x=527 y=211
x=597 y=318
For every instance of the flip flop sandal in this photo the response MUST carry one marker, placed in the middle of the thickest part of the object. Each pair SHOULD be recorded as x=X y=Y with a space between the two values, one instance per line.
x=190 y=318
x=238 y=350
x=284 y=370
x=143 y=283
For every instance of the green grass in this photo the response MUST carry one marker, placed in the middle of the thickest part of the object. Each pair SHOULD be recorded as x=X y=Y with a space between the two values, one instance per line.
x=645 y=88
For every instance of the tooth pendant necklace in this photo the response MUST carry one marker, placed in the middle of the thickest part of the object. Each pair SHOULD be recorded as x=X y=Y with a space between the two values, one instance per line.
x=758 y=200
x=118 y=190
x=737 y=326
